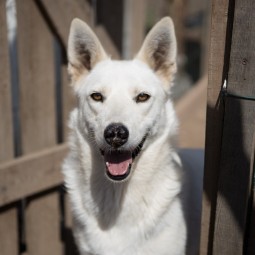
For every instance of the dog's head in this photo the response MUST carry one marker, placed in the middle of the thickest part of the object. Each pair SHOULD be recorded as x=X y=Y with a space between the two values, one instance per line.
x=122 y=103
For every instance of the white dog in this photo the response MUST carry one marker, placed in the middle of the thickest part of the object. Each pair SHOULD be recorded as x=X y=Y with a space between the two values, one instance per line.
x=123 y=175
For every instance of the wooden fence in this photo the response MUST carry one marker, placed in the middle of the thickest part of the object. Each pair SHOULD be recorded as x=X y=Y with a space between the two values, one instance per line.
x=228 y=226
x=35 y=101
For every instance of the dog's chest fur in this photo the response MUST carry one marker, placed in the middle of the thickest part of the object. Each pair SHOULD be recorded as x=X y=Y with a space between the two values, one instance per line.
x=142 y=216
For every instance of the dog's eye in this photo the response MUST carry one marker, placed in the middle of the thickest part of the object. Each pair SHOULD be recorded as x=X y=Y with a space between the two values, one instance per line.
x=142 y=97
x=96 y=96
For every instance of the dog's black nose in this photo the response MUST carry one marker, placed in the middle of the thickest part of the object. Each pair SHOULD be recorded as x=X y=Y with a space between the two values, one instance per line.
x=116 y=134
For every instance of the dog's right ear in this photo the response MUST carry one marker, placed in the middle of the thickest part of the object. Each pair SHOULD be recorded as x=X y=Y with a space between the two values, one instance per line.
x=84 y=49
x=159 y=50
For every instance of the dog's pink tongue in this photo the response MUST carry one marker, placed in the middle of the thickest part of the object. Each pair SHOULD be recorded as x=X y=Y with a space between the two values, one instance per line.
x=118 y=163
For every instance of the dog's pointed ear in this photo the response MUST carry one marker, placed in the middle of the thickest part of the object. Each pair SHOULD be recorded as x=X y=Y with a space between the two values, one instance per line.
x=159 y=50
x=84 y=49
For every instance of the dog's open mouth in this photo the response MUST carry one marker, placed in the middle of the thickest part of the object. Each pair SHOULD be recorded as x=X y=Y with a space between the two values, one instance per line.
x=119 y=163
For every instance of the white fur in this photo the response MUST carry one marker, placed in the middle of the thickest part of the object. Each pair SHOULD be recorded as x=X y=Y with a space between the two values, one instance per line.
x=145 y=214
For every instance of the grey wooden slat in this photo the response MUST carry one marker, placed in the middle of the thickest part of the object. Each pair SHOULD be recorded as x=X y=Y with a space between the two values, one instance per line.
x=42 y=226
x=213 y=121
x=8 y=216
x=31 y=174
x=234 y=180
x=237 y=144
x=9 y=231
x=6 y=129
x=36 y=79
x=38 y=123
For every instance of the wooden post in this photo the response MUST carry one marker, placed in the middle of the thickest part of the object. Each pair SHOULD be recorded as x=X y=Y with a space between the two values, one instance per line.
x=38 y=121
x=235 y=178
x=133 y=27
x=230 y=131
x=8 y=216
x=214 y=119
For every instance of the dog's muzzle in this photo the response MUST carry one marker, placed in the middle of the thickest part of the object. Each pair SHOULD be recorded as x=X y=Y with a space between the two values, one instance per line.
x=118 y=162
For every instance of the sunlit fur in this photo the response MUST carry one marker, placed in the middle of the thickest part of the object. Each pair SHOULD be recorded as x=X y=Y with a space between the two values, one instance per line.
x=145 y=214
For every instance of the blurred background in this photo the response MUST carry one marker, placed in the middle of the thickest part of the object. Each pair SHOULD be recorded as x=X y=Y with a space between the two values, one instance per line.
x=35 y=101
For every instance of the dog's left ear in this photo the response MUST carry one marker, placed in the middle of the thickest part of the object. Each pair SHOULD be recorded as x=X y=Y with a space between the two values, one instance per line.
x=159 y=50
x=84 y=49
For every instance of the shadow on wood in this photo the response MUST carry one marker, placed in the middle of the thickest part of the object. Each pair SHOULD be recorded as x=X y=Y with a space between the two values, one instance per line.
x=231 y=202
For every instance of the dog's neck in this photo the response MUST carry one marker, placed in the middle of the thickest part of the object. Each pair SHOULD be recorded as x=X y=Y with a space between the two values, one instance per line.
x=107 y=197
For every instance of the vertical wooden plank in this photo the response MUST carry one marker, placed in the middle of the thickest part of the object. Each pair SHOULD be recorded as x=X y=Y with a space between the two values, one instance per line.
x=214 y=118
x=42 y=225
x=242 y=58
x=8 y=216
x=237 y=145
x=36 y=79
x=177 y=12
x=234 y=179
x=6 y=129
x=134 y=16
x=9 y=231
x=38 y=120
x=205 y=35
